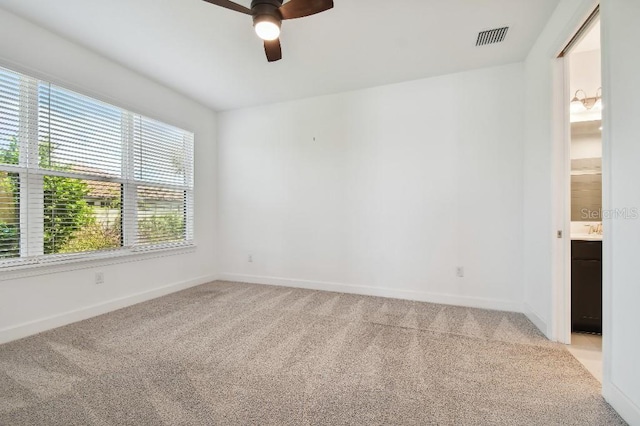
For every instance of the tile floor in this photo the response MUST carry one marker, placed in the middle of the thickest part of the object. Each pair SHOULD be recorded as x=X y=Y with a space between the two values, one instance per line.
x=587 y=348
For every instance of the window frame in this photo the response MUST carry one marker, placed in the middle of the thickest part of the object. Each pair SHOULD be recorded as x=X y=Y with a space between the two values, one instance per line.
x=32 y=255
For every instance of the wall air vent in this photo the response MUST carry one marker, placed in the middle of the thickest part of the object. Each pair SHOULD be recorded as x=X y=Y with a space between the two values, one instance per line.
x=492 y=36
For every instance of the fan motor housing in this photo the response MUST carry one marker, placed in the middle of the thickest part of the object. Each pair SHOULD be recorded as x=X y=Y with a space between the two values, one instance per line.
x=274 y=3
x=266 y=10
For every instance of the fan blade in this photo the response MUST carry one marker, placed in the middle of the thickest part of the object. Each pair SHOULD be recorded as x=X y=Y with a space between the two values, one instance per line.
x=300 y=8
x=273 y=50
x=230 y=5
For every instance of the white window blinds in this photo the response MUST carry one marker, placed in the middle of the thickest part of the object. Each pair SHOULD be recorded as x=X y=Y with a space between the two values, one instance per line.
x=10 y=160
x=78 y=134
x=82 y=177
x=163 y=173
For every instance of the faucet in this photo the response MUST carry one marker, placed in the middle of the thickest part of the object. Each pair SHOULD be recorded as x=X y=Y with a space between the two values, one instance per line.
x=595 y=229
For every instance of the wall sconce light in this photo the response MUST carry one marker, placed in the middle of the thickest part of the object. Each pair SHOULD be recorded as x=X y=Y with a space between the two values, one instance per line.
x=582 y=103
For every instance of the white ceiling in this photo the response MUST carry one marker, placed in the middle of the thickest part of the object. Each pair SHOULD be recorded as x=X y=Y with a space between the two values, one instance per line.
x=212 y=54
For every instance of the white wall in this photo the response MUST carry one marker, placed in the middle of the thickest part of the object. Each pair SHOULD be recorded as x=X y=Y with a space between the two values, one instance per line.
x=621 y=176
x=380 y=191
x=35 y=303
x=585 y=72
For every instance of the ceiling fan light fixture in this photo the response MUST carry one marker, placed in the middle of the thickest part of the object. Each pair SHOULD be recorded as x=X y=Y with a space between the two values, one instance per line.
x=267 y=27
x=268 y=16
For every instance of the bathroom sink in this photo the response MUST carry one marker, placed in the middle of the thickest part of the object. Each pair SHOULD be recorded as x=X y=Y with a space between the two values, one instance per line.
x=586 y=237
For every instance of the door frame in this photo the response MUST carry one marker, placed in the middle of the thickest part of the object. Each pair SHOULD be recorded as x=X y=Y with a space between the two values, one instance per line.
x=561 y=134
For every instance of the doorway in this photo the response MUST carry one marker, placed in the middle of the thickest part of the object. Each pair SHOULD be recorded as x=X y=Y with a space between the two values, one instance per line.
x=583 y=216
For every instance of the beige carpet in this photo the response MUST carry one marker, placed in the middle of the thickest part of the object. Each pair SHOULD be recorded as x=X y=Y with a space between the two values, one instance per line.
x=231 y=353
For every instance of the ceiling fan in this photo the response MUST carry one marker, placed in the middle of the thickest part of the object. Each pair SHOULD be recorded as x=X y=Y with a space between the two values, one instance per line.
x=269 y=14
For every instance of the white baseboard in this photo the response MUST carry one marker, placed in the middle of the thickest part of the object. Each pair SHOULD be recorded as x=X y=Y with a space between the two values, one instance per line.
x=629 y=411
x=536 y=320
x=43 y=324
x=446 y=299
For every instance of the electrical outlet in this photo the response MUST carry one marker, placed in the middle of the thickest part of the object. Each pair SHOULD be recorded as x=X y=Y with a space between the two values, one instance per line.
x=99 y=277
x=460 y=271
x=250 y=259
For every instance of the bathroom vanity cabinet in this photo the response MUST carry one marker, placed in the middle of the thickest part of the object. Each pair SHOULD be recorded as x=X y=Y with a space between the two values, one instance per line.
x=586 y=286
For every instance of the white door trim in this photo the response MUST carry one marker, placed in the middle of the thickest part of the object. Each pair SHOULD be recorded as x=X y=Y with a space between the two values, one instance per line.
x=562 y=150
x=607 y=204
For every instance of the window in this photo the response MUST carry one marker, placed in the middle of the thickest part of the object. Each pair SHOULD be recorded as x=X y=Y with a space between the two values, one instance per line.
x=80 y=177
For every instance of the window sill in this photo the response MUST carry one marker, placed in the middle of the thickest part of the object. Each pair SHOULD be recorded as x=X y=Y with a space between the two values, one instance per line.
x=89 y=260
